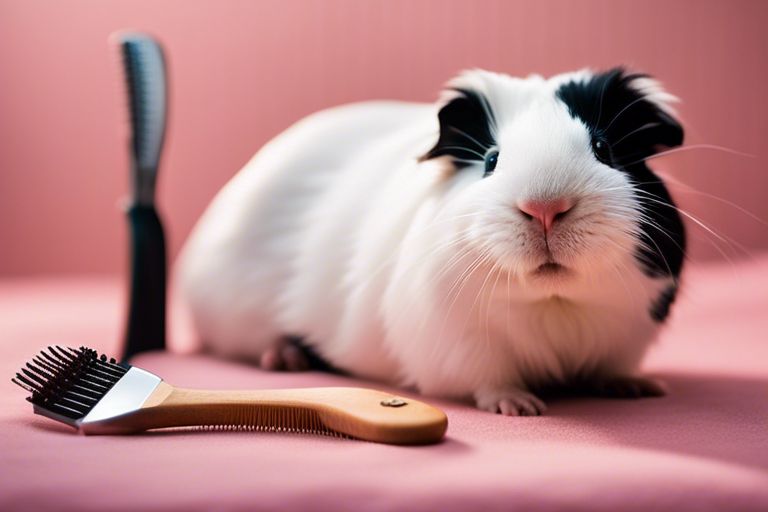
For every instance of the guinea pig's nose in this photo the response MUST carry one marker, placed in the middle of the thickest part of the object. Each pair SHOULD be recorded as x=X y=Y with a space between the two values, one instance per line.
x=545 y=211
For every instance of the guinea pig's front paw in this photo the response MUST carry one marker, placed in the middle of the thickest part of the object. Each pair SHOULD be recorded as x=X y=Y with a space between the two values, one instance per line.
x=628 y=387
x=510 y=402
x=284 y=355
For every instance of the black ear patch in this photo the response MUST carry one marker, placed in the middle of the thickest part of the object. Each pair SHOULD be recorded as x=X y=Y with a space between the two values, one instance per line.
x=619 y=114
x=466 y=129
x=634 y=128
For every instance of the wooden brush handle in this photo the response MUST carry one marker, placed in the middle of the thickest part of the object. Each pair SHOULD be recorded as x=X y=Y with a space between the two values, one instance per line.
x=360 y=413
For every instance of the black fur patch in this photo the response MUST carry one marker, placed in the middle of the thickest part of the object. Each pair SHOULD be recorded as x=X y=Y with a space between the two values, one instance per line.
x=465 y=129
x=616 y=112
x=660 y=308
x=634 y=129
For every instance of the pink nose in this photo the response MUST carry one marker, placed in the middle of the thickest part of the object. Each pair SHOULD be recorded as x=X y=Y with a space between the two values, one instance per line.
x=546 y=212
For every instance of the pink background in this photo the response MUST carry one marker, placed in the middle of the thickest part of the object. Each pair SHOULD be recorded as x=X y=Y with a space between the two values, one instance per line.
x=243 y=71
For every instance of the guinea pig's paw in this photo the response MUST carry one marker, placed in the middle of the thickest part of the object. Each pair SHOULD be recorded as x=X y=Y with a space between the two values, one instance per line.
x=510 y=402
x=284 y=355
x=629 y=387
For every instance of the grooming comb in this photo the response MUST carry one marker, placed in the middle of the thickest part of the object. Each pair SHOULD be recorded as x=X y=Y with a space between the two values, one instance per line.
x=145 y=77
x=97 y=395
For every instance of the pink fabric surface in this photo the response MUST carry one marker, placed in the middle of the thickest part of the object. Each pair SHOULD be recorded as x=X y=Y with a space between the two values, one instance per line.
x=704 y=447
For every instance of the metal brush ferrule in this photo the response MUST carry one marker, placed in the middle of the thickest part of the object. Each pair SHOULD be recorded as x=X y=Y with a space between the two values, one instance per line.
x=125 y=397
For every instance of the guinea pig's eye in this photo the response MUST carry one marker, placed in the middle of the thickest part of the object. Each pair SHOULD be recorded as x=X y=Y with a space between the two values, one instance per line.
x=602 y=150
x=491 y=158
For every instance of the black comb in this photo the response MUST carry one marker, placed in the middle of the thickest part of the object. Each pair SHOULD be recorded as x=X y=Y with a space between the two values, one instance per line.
x=145 y=77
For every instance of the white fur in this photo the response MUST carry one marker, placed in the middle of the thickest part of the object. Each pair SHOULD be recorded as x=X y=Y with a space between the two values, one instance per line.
x=418 y=274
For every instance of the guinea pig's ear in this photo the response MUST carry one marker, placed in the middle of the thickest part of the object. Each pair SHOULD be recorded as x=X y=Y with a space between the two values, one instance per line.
x=467 y=127
x=631 y=112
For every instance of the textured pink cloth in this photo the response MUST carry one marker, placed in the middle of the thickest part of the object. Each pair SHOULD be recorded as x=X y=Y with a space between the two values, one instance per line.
x=704 y=447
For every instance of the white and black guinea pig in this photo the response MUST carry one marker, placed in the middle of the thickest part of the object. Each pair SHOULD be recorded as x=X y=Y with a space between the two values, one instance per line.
x=507 y=239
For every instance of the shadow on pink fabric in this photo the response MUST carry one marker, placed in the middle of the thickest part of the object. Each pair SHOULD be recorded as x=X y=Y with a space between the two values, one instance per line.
x=703 y=447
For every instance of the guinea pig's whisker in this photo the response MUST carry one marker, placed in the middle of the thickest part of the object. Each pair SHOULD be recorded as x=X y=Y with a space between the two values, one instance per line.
x=482 y=288
x=650 y=222
x=455 y=258
x=489 y=299
x=729 y=242
x=465 y=161
x=423 y=230
x=638 y=100
x=489 y=114
x=658 y=249
x=438 y=222
x=700 y=223
x=479 y=259
x=692 y=190
x=636 y=130
x=464 y=148
x=686 y=188
x=484 y=147
x=600 y=107
x=452 y=261
x=482 y=260
x=461 y=254
x=509 y=294
x=689 y=148
x=619 y=268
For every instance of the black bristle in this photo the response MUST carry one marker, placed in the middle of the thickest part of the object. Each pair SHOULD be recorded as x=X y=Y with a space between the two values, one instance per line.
x=69 y=382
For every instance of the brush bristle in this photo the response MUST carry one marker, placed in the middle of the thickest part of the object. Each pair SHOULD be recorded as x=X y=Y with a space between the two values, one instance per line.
x=68 y=381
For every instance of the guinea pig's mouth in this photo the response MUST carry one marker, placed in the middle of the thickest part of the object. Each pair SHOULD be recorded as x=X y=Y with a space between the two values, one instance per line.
x=550 y=268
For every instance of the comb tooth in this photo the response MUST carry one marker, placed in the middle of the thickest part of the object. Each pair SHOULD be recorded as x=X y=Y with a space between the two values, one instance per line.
x=34 y=377
x=70 y=363
x=35 y=385
x=101 y=375
x=54 y=360
x=53 y=355
x=73 y=404
x=42 y=373
x=108 y=371
x=69 y=355
x=46 y=365
x=112 y=365
x=96 y=386
x=86 y=392
x=64 y=410
x=77 y=352
x=61 y=353
x=112 y=369
x=79 y=397
x=23 y=384
x=104 y=380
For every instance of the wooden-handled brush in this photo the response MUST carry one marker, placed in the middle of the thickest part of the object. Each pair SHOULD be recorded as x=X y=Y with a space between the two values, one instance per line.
x=97 y=395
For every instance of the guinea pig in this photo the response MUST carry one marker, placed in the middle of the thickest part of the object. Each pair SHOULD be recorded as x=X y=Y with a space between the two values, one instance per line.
x=508 y=238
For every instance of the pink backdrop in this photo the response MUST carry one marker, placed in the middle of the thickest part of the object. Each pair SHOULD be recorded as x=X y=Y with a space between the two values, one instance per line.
x=243 y=71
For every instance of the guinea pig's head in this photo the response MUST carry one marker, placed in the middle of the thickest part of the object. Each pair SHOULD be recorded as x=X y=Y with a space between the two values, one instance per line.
x=548 y=177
